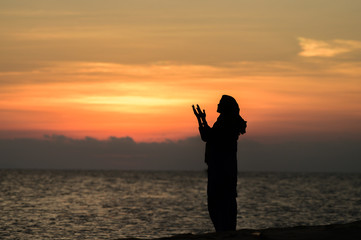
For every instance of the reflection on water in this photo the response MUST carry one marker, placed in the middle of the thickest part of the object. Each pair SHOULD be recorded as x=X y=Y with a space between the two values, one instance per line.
x=117 y=204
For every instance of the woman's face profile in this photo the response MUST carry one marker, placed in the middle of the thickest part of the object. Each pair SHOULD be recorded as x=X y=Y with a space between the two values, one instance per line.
x=219 y=106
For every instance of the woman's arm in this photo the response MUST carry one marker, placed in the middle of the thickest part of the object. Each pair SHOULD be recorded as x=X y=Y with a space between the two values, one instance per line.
x=204 y=129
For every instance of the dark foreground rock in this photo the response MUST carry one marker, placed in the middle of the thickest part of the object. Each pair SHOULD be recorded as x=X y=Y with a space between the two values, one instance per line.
x=349 y=231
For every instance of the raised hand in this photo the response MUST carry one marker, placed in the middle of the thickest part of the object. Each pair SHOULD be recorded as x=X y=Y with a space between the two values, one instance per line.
x=201 y=115
x=195 y=111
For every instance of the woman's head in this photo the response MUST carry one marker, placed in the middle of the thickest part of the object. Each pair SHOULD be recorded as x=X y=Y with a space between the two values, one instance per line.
x=228 y=105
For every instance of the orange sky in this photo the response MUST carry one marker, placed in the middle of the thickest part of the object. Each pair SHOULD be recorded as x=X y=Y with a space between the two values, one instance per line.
x=131 y=68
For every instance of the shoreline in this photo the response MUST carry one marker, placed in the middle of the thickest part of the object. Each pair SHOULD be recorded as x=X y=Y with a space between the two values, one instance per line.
x=348 y=231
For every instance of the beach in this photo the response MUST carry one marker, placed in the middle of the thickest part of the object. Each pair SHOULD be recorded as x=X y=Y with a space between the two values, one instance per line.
x=348 y=231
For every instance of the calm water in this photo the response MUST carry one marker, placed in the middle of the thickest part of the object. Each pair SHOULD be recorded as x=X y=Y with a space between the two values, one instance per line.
x=118 y=204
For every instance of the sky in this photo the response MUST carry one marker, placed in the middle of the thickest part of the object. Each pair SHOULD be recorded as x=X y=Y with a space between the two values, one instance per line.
x=119 y=72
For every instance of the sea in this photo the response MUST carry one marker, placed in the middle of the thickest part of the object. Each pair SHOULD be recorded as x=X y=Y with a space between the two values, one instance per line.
x=80 y=204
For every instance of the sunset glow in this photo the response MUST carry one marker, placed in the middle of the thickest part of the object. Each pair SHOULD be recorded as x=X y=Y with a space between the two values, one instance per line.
x=98 y=71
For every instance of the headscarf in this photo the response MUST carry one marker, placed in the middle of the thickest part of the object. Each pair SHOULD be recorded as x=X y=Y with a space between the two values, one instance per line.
x=230 y=109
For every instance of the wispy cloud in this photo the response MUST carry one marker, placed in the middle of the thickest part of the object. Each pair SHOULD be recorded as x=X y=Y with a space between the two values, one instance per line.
x=37 y=13
x=60 y=33
x=153 y=101
x=318 y=48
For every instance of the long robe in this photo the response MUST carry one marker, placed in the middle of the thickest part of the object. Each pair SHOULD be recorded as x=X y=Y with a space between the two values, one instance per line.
x=221 y=158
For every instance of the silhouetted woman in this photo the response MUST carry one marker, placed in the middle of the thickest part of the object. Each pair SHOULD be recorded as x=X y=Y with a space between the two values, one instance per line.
x=221 y=158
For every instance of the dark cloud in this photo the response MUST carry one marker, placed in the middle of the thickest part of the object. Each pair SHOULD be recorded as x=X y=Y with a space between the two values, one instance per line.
x=121 y=153
x=60 y=152
x=301 y=155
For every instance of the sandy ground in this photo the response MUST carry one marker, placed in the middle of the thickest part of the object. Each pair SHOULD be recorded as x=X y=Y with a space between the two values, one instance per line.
x=330 y=232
